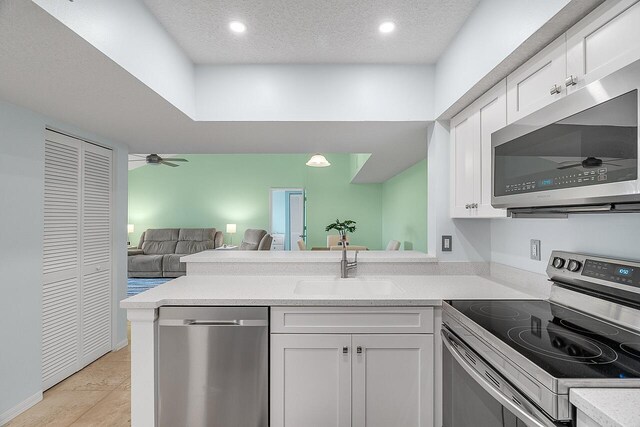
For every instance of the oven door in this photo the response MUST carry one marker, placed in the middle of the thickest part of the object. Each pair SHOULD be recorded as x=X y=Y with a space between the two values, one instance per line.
x=474 y=394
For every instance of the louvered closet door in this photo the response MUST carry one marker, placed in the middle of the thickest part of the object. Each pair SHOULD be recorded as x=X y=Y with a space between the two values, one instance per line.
x=96 y=252
x=61 y=252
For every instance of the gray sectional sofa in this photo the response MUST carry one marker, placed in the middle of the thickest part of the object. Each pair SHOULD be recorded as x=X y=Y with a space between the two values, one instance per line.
x=159 y=251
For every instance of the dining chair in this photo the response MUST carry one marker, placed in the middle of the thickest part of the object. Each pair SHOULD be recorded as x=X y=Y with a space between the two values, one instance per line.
x=393 y=245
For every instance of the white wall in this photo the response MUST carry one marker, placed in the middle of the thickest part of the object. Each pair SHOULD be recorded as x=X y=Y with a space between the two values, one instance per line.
x=616 y=235
x=314 y=92
x=471 y=238
x=21 y=234
x=21 y=220
x=491 y=33
x=129 y=34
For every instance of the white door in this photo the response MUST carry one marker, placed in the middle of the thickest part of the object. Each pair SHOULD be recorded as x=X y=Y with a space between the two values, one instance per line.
x=465 y=159
x=492 y=117
x=310 y=380
x=96 y=252
x=605 y=41
x=296 y=219
x=539 y=82
x=61 y=253
x=393 y=381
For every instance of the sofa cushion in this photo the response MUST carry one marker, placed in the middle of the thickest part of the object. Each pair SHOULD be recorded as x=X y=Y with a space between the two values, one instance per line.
x=251 y=239
x=160 y=241
x=197 y=234
x=171 y=263
x=159 y=248
x=161 y=234
x=145 y=263
x=191 y=247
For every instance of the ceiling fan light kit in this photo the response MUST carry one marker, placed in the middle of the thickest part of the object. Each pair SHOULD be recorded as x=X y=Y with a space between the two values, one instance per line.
x=318 y=161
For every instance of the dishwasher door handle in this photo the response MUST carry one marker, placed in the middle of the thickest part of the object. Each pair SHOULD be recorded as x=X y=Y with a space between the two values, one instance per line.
x=193 y=322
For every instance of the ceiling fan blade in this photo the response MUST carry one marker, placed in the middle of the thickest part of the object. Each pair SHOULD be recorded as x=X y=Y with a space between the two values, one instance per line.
x=144 y=156
x=575 y=165
x=175 y=159
x=138 y=160
x=173 y=165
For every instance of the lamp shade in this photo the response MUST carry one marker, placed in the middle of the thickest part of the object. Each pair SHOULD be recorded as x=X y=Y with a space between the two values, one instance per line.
x=130 y=228
x=318 y=161
x=231 y=228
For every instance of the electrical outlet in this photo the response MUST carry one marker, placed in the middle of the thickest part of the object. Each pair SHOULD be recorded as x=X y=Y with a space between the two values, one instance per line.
x=446 y=243
x=534 y=250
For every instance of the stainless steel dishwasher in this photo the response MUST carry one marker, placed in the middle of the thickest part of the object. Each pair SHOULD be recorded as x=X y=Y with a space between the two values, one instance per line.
x=213 y=366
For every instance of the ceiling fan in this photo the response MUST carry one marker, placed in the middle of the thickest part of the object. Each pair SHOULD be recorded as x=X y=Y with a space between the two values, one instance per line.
x=589 y=162
x=154 y=159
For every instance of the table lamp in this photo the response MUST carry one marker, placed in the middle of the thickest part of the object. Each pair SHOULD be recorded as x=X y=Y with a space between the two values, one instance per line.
x=130 y=229
x=231 y=230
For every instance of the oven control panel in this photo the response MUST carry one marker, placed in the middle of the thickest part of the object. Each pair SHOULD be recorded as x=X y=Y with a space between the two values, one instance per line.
x=593 y=269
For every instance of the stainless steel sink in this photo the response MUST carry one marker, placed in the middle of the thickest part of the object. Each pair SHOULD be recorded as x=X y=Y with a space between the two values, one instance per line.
x=347 y=287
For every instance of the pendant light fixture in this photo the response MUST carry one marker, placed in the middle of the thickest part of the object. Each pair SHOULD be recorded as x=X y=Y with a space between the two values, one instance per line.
x=318 y=161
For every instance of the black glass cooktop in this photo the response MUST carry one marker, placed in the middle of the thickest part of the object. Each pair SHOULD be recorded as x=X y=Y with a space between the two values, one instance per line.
x=563 y=342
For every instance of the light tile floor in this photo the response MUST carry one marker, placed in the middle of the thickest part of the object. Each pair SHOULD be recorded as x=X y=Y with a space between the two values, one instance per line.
x=98 y=395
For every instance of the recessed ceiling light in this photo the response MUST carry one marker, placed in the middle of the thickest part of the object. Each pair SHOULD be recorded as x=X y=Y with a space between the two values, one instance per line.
x=237 y=27
x=387 y=27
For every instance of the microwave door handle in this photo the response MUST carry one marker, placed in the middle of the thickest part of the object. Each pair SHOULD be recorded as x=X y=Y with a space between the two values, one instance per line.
x=531 y=420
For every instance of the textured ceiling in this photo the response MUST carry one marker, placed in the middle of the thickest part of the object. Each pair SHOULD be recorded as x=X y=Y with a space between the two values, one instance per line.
x=49 y=69
x=312 y=31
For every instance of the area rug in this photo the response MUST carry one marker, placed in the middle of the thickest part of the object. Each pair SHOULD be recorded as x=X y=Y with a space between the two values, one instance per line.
x=135 y=286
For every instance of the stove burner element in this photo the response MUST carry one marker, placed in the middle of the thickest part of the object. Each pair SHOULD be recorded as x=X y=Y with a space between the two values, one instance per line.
x=594 y=327
x=500 y=313
x=632 y=348
x=567 y=346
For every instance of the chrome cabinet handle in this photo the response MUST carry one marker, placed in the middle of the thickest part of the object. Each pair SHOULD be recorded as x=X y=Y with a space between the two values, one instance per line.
x=345 y=350
x=359 y=349
x=555 y=89
x=194 y=322
x=571 y=81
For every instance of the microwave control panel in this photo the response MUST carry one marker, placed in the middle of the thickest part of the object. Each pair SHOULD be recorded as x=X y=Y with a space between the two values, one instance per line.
x=569 y=180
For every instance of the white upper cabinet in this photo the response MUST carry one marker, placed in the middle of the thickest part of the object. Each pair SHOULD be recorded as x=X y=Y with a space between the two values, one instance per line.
x=603 y=42
x=465 y=159
x=471 y=162
x=538 y=82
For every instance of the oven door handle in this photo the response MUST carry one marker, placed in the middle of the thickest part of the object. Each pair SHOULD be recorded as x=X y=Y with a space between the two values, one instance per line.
x=530 y=419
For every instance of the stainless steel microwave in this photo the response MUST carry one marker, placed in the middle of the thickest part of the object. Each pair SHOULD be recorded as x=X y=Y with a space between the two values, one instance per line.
x=579 y=154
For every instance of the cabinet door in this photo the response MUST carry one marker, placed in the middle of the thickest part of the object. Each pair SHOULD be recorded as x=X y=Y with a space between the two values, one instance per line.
x=603 y=42
x=492 y=110
x=529 y=88
x=393 y=381
x=465 y=158
x=310 y=380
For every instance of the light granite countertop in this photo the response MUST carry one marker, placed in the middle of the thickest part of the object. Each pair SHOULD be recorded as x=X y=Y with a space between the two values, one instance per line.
x=279 y=290
x=609 y=407
x=235 y=256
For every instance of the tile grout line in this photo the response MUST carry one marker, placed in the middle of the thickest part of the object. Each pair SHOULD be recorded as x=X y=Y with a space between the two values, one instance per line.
x=97 y=402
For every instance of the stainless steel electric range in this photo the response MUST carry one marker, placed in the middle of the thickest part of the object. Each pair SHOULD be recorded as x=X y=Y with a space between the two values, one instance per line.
x=513 y=362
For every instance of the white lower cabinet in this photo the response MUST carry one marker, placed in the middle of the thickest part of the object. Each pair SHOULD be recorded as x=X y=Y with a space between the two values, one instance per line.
x=392 y=380
x=352 y=379
x=310 y=380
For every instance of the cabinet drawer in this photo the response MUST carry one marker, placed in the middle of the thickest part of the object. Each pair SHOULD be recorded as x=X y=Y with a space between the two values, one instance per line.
x=317 y=320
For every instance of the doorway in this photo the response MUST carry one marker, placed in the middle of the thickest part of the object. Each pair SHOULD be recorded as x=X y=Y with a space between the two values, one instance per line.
x=288 y=217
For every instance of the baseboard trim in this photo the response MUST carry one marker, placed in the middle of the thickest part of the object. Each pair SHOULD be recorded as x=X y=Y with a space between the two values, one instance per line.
x=122 y=344
x=20 y=408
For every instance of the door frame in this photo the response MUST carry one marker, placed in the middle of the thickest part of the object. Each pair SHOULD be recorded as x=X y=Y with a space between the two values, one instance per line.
x=287 y=226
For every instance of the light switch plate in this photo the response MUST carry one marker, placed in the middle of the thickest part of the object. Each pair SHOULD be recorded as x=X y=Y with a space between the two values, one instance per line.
x=534 y=250
x=446 y=243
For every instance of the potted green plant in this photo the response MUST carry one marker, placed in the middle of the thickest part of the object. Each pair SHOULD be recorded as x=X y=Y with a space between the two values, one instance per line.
x=342 y=227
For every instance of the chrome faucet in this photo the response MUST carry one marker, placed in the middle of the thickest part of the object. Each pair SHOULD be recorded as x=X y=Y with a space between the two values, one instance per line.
x=345 y=264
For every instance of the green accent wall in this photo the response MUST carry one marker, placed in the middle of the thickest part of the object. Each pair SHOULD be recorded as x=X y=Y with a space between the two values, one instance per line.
x=215 y=189
x=404 y=208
